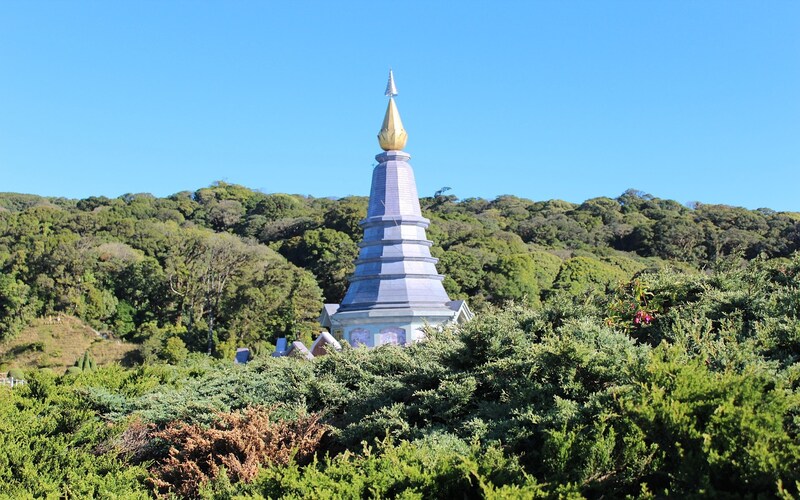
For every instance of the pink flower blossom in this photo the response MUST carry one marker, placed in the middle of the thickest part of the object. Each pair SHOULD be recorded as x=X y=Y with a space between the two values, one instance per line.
x=642 y=317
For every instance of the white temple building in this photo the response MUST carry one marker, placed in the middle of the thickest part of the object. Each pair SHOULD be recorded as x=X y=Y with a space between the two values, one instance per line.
x=395 y=290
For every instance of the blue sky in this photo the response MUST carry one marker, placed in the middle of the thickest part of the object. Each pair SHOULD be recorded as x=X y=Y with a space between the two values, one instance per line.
x=693 y=101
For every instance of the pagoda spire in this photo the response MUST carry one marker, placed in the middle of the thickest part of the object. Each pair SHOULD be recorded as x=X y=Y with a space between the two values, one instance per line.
x=395 y=290
x=395 y=293
x=391 y=88
x=392 y=136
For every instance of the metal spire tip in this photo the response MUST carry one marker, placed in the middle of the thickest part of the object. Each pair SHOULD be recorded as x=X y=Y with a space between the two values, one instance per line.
x=391 y=89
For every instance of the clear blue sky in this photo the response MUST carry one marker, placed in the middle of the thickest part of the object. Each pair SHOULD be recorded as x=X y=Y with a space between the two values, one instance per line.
x=694 y=101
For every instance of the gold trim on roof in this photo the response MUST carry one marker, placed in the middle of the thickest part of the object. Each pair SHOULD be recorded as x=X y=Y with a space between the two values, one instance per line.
x=392 y=135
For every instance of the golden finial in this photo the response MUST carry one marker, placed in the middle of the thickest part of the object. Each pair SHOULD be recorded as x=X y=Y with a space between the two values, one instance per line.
x=392 y=135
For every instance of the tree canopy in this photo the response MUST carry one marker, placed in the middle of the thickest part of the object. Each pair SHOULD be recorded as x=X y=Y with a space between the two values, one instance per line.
x=626 y=347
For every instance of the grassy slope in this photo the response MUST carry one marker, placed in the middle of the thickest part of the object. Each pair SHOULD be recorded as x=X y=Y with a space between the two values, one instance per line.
x=57 y=344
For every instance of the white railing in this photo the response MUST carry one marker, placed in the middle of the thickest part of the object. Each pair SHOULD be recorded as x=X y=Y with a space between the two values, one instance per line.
x=11 y=381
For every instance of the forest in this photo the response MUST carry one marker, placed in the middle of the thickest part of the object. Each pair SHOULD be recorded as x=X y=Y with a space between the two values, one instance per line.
x=622 y=347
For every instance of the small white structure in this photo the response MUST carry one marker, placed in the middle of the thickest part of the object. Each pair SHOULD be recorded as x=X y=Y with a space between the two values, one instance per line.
x=320 y=347
x=11 y=381
x=298 y=349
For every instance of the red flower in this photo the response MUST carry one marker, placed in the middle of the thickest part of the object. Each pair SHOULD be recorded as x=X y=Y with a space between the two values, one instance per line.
x=642 y=317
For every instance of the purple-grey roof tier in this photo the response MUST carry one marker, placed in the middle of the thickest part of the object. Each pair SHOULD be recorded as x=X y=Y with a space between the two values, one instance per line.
x=394 y=269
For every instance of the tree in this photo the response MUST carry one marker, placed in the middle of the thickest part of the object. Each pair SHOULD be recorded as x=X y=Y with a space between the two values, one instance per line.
x=200 y=271
x=512 y=277
x=582 y=274
x=345 y=216
x=463 y=264
x=16 y=309
x=327 y=253
x=144 y=287
x=225 y=214
x=273 y=298
x=280 y=206
x=678 y=238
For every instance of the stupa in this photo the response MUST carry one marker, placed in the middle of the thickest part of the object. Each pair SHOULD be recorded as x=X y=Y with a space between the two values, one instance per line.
x=395 y=290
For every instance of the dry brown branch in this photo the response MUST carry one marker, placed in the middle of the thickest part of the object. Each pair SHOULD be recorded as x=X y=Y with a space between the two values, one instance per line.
x=240 y=442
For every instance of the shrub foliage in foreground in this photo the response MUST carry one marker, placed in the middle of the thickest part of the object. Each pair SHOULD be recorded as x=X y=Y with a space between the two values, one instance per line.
x=439 y=466
x=573 y=398
x=48 y=447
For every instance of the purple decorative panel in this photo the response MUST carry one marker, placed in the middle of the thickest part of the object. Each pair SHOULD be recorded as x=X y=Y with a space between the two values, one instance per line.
x=394 y=336
x=360 y=336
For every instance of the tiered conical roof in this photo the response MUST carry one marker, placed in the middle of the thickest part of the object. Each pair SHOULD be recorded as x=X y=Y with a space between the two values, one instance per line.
x=395 y=286
x=394 y=267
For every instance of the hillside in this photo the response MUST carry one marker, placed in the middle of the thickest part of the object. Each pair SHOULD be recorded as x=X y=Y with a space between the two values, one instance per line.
x=140 y=267
x=673 y=385
x=622 y=348
x=57 y=342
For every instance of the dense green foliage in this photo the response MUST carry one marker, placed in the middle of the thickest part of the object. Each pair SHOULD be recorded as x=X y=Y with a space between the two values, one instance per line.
x=649 y=349
x=50 y=446
x=565 y=398
x=211 y=268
